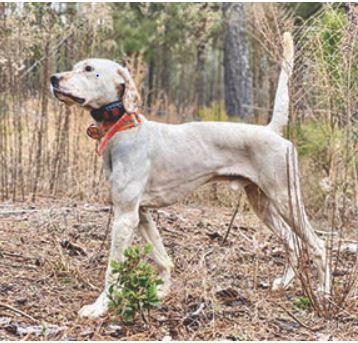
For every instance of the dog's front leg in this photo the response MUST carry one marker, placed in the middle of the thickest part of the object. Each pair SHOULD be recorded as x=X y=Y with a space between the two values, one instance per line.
x=122 y=234
x=150 y=234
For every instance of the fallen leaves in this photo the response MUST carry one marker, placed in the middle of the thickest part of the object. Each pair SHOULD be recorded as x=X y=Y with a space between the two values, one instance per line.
x=61 y=254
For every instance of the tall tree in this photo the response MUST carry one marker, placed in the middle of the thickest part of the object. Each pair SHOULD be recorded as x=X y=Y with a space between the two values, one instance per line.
x=237 y=72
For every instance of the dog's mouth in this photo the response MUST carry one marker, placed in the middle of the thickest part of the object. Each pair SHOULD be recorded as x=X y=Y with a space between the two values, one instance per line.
x=65 y=96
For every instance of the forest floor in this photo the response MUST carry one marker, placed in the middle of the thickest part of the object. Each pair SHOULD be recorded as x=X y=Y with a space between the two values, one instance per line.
x=53 y=257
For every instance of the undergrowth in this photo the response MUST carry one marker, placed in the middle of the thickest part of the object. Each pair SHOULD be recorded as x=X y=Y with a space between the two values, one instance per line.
x=134 y=290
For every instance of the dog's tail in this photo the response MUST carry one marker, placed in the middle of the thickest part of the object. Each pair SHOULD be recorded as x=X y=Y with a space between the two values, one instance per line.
x=280 y=110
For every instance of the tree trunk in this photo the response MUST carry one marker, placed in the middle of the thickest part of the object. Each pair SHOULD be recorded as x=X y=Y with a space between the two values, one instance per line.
x=150 y=83
x=201 y=47
x=165 y=61
x=237 y=72
x=200 y=75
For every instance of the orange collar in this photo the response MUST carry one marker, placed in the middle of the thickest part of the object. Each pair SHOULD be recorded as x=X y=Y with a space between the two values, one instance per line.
x=106 y=131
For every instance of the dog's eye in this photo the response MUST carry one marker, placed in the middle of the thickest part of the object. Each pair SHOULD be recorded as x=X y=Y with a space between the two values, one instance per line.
x=88 y=68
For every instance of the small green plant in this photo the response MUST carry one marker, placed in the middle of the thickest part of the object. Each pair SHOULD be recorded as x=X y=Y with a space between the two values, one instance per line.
x=302 y=303
x=320 y=142
x=214 y=112
x=135 y=287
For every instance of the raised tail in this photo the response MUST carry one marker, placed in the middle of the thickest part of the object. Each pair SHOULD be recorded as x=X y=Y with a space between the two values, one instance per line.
x=280 y=110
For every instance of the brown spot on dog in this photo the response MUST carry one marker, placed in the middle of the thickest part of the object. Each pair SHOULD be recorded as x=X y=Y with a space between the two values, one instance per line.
x=131 y=97
x=120 y=91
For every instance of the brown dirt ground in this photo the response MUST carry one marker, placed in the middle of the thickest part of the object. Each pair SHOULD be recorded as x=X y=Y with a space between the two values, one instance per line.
x=53 y=257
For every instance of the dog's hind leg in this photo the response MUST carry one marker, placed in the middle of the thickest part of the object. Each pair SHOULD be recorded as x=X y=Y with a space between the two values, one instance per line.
x=298 y=220
x=267 y=212
x=282 y=190
x=150 y=234
x=289 y=203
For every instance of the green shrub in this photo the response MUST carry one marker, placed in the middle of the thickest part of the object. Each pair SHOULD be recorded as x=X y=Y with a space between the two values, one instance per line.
x=214 y=112
x=334 y=23
x=135 y=287
x=318 y=141
x=302 y=303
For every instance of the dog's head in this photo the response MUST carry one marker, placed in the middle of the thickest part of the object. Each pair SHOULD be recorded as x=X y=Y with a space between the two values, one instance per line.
x=93 y=83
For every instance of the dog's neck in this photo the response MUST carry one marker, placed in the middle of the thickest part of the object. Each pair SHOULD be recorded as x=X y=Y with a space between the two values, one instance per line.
x=111 y=118
x=109 y=113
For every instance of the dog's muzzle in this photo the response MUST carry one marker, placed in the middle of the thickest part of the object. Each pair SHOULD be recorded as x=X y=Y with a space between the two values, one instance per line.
x=60 y=94
x=55 y=81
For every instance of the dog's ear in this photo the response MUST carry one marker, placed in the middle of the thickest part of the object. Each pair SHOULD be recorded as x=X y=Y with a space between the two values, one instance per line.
x=131 y=98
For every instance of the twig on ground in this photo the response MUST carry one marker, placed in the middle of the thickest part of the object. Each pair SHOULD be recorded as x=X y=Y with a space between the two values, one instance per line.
x=11 y=308
x=16 y=212
x=10 y=254
x=98 y=209
x=295 y=318
x=231 y=221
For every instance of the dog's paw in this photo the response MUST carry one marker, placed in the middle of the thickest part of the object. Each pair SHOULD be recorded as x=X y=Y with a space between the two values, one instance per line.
x=163 y=290
x=92 y=311
x=277 y=284
x=284 y=281
x=281 y=283
x=95 y=310
x=323 y=291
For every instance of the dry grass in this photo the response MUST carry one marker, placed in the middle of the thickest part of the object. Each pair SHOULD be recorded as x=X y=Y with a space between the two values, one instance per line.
x=53 y=260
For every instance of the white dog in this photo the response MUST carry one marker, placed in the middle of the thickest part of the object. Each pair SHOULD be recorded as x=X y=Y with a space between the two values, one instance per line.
x=153 y=165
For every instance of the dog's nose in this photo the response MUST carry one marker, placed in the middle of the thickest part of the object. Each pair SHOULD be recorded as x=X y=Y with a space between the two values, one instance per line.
x=55 y=81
